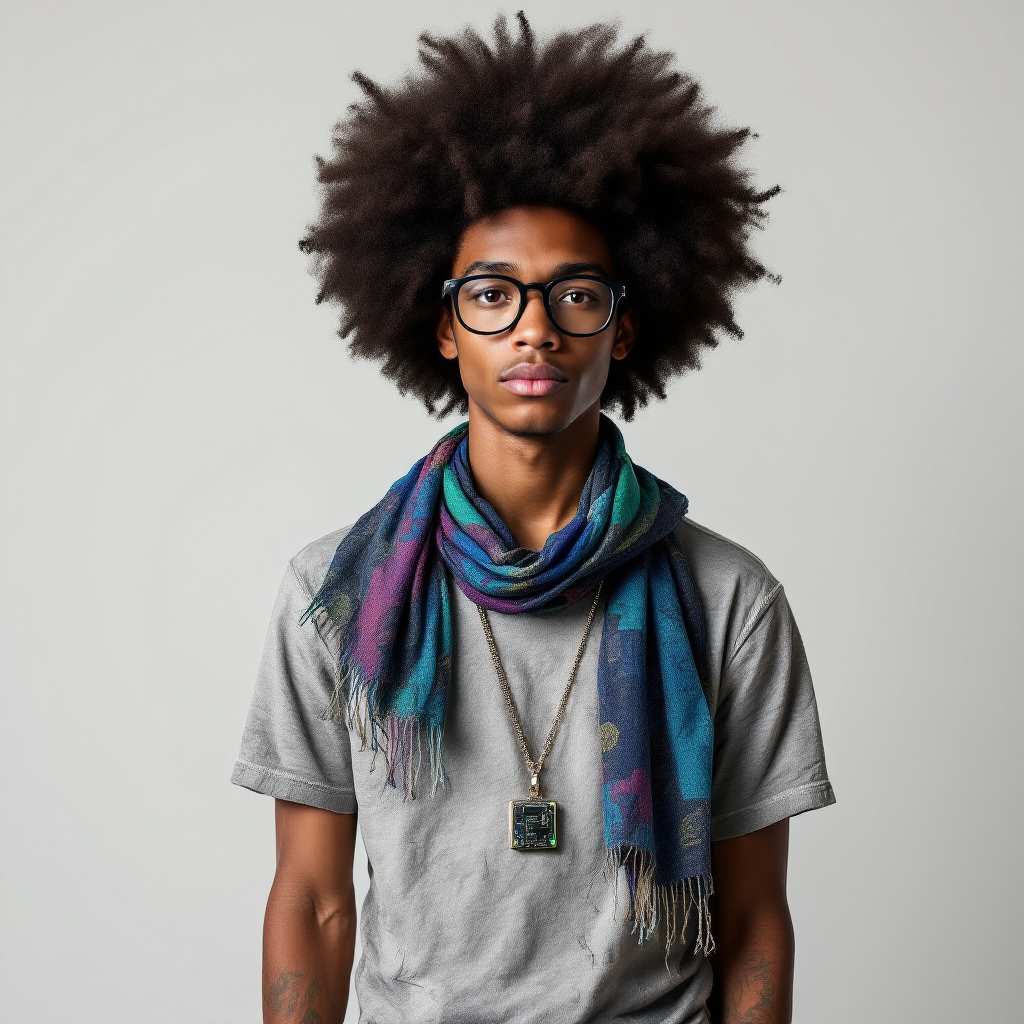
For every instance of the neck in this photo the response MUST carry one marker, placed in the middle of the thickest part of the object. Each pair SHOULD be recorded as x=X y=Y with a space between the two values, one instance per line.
x=534 y=483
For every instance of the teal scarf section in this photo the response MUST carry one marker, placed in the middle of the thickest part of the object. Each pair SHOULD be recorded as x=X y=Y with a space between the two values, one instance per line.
x=386 y=596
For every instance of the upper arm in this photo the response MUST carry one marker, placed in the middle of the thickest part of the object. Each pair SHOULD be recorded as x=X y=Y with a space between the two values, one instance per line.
x=750 y=884
x=751 y=868
x=315 y=851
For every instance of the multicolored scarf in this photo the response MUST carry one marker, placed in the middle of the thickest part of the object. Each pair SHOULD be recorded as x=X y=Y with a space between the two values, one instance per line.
x=386 y=599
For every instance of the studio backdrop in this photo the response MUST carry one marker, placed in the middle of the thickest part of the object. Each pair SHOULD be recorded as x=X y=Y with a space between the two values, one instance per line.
x=179 y=418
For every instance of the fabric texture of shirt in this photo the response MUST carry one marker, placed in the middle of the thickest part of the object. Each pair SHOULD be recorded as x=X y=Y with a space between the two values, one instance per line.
x=458 y=927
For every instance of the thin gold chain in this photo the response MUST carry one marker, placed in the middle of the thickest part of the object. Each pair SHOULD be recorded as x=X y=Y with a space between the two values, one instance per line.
x=535 y=766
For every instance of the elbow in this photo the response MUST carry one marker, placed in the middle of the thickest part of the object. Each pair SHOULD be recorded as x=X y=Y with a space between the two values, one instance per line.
x=336 y=914
x=327 y=911
x=766 y=921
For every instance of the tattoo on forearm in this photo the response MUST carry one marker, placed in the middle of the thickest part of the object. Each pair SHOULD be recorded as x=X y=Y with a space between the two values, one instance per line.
x=311 y=1016
x=283 y=993
x=750 y=999
x=284 y=996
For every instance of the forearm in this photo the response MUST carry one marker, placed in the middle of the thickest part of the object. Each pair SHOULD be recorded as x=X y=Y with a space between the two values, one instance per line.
x=754 y=972
x=307 y=958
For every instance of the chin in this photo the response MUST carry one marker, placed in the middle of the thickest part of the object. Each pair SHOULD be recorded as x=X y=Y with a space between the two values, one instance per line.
x=532 y=417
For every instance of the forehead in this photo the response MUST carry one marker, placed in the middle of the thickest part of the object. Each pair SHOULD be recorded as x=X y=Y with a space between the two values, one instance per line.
x=532 y=241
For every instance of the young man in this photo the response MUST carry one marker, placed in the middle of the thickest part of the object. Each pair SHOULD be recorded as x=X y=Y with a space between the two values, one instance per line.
x=559 y=707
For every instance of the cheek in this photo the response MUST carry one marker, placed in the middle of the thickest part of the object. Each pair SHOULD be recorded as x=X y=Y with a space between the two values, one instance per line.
x=595 y=361
x=475 y=360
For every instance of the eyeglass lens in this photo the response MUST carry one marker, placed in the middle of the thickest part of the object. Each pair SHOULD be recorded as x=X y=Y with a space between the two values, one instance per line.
x=578 y=305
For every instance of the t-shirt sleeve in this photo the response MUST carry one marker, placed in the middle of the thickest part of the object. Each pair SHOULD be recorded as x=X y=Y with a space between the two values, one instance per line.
x=288 y=751
x=769 y=760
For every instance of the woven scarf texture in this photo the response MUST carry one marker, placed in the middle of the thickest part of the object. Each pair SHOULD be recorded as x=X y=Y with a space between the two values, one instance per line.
x=386 y=602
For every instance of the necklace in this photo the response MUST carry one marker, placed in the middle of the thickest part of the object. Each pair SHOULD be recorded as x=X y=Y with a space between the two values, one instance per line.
x=532 y=822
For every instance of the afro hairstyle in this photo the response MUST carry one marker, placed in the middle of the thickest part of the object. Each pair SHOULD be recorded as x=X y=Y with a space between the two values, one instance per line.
x=578 y=121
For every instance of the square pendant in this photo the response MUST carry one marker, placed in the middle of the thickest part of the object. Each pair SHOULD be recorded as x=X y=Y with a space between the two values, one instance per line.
x=531 y=824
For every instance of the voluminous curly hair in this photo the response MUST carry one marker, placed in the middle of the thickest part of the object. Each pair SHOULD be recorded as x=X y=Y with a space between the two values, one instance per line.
x=577 y=121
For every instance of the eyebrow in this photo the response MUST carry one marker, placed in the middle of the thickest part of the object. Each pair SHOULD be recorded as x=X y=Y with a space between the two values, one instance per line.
x=578 y=268
x=562 y=270
x=483 y=267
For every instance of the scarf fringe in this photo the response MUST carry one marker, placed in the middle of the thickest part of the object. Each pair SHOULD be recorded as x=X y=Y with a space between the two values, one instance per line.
x=651 y=905
x=401 y=739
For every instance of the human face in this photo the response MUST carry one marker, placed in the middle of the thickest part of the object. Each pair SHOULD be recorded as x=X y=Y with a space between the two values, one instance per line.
x=533 y=380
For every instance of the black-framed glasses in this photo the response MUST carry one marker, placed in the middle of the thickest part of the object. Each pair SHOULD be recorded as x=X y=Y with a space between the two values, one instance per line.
x=579 y=304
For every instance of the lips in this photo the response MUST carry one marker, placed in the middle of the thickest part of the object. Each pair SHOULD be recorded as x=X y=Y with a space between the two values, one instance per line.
x=533 y=379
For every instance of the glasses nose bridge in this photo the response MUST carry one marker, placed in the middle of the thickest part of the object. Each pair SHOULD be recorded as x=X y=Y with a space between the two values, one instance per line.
x=524 y=293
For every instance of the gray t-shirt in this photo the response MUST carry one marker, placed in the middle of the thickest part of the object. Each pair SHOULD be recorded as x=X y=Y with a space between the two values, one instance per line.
x=456 y=926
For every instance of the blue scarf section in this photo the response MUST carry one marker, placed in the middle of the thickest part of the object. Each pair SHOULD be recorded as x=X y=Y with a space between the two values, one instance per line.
x=386 y=596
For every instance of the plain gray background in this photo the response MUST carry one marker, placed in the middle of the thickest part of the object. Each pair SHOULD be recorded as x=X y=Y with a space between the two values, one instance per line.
x=178 y=419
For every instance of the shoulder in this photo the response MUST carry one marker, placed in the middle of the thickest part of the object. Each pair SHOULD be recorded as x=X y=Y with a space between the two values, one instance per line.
x=735 y=586
x=722 y=563
x=310 y=565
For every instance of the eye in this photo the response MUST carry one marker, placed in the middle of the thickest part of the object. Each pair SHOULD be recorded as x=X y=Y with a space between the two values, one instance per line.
x=488 y=293
x=577 y=297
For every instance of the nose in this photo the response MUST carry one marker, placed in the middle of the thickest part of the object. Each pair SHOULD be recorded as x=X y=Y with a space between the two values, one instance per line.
x=535 y=329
